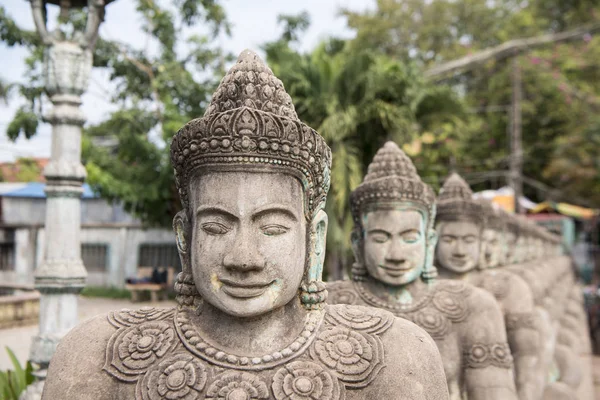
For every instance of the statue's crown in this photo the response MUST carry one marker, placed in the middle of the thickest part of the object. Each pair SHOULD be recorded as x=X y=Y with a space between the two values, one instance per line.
x=391 y=176
x=251 y=122
x=455 y=201
x=492 y=215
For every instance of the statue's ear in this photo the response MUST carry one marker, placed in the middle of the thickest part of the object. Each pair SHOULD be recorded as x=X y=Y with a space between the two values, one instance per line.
x=318 y=233
x=432 y=239
x=181 y=227
x=356 y=243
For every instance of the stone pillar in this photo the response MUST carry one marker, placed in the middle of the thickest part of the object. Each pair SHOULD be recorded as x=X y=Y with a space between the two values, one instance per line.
x=61 y=275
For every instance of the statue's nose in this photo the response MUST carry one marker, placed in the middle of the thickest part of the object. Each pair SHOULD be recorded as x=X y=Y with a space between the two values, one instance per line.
x=244 y=254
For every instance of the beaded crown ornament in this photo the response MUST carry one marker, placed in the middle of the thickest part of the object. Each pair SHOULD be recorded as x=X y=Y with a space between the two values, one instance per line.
x=455 y=201
x=251 y=123
x=492 y=215
x=391 y=176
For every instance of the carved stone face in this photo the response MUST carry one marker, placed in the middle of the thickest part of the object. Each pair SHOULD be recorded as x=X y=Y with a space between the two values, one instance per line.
x=394 y=245
x=248 y=247
x=458 y=246
x=491 y=247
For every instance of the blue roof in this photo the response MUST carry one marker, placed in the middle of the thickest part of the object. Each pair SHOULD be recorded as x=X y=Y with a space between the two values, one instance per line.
x=35 y=190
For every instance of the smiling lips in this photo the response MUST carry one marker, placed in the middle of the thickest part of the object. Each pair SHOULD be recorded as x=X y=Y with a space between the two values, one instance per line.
x=244 y=290
x=394 y=271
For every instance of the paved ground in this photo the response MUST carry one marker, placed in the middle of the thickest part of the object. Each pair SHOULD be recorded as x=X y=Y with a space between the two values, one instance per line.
x=596 y=369
x=19 y=339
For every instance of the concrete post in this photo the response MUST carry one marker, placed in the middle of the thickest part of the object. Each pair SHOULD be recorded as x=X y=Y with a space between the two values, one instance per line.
x=61 y=275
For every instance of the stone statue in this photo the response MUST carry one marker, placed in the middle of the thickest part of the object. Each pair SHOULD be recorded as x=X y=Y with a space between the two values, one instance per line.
x=251 y=321
x=393 y=241
x=470 y=238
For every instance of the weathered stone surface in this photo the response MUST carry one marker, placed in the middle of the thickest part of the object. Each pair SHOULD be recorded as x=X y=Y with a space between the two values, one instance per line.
x=251 y=321
x=393 y=242
x=470 y=248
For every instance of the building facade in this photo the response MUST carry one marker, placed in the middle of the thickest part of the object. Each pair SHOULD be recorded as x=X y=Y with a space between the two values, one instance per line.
x=113 y=243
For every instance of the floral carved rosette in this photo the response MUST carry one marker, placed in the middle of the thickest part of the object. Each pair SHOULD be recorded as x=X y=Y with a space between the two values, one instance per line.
x=178 y=377
x=354 y=357
x=484 y=355
x=237 y=385
x=433 y=321
x=456 y=287
x=305 y=380
x=126 y=317
x=364 y=319
x=342 y=296
x=451 y=305
x=131 y=351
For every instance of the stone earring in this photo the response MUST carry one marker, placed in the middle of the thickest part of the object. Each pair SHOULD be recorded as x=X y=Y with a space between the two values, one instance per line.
x=187 y=294
x=359 y=271
x=313 y=294
x=430 y=271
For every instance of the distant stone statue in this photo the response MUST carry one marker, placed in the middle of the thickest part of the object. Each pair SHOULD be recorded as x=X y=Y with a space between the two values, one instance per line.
x=470 y=238
x=394 y=241
x=251 y=321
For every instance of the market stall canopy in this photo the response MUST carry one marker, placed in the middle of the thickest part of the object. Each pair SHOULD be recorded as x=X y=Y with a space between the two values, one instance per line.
x=504 y=197
x=565 y=209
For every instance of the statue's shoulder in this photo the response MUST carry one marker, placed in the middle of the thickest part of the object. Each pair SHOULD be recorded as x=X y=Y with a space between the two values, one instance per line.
x=78 y=368
x=389 y=341
x=343 y=292
x=508 y=288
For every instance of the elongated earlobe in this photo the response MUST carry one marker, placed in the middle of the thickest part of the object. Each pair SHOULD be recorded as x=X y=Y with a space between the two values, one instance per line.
x=187 y=294
x=313 y=292
x=430 y=271
x=359 y=271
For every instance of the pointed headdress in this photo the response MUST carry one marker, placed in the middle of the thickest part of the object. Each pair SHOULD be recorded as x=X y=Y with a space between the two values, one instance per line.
x=455 y=201
x=391 y=177
x=492 y=215
x=251 y=123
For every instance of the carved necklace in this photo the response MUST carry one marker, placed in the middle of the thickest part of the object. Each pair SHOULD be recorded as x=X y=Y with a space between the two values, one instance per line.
x=192 y=340
x=373 y=300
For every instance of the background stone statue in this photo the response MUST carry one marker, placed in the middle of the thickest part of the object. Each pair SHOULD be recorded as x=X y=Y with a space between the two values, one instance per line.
x=393 y=241
x=251 y=321
x=470 y=239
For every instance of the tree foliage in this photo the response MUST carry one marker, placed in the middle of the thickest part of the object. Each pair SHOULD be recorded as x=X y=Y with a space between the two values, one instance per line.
x=127 y=156
x=560 y=82
x=358 y=100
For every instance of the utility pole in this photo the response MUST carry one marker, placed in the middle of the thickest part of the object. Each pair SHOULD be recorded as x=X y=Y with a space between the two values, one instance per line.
x=516 y=140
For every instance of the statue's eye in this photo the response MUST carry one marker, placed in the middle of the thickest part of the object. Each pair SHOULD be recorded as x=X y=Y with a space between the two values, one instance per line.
x=469 y=239
x=215 y=228
x=411 y=237
x=447 y=239
x=274 y=230
x=379 y=237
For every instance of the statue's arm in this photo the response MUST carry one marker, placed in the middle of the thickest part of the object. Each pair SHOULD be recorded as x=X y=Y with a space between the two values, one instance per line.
x=75 y=370
x=414 y=368
x=488 y=363
x=524 y=337
x=525 y=344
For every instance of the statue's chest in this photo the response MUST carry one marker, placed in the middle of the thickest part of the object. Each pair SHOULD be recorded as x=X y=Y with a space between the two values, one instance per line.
x=163 y=356
x=441 y=313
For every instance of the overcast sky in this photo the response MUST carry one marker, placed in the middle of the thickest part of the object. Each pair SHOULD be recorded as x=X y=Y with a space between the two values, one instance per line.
x=254 y=23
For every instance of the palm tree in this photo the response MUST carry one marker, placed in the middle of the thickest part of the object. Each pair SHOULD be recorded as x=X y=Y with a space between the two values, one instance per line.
x=357 y=102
